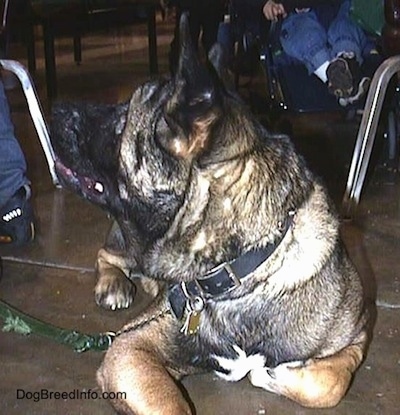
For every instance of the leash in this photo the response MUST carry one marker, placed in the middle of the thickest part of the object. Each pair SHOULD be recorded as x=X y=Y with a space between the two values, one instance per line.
x=21 y=323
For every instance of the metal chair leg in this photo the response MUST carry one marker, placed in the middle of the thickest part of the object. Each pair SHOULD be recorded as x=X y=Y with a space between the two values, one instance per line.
x=36 y=112
x=366 y=134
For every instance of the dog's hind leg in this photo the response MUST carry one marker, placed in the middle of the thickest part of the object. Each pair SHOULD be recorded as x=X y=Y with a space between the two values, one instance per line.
x=317 y=383
x=134 y=373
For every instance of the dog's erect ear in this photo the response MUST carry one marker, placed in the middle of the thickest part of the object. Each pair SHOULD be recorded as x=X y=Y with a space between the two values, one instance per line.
x=195 y=102
x=218 y=58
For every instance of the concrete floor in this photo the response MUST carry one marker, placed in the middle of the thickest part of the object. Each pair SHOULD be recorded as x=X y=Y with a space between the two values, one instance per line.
x=53 y=278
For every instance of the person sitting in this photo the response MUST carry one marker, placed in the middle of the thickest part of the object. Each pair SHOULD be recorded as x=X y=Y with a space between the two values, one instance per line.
x=16 y=212
x=321 y=35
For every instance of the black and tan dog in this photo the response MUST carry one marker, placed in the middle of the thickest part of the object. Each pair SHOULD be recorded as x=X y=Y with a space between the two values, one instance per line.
x=222 y=222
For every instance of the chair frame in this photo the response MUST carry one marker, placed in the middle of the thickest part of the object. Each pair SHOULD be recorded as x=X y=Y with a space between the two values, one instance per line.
x=367 y=134
x=35 y=111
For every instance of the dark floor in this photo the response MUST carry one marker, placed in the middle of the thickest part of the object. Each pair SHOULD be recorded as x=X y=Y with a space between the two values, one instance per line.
x=53 y=278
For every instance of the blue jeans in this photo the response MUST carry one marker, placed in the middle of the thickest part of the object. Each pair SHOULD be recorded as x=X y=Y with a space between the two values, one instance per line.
x=12 y=160
x=305 y=37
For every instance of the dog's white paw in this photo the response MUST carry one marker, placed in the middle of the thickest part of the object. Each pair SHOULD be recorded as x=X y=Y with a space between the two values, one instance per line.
x=274 y=379
x=114 y=292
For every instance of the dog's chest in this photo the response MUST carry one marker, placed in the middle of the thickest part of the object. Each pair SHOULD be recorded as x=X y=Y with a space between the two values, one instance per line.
x=238 y=367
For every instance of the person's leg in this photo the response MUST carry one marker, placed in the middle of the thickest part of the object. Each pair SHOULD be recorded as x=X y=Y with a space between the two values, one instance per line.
x=225 y=37
x=345 y=36
x=305 y=39
x=347 y=41
x=12 y=160
x=16 y=214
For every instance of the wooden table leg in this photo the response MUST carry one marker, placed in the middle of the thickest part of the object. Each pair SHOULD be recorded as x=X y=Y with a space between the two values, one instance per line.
x=50 y=59
x=152 y=38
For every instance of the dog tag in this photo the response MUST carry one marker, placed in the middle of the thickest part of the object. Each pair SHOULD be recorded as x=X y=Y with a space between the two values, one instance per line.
x=192 y=322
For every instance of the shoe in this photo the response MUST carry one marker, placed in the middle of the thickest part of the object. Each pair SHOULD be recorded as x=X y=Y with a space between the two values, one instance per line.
x=17 y=224
x=359 y=93
x=340 y=73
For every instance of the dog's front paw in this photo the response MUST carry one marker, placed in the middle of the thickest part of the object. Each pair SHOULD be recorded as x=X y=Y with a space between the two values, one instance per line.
x=114 y=291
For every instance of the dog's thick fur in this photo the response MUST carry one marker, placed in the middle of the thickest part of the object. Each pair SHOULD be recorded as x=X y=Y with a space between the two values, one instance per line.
x=193 y=180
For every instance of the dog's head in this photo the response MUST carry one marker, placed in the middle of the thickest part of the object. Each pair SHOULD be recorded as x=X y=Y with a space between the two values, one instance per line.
x=134 y=159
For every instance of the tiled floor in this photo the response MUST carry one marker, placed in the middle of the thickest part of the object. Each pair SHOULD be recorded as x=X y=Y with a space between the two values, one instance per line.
x=53 y=278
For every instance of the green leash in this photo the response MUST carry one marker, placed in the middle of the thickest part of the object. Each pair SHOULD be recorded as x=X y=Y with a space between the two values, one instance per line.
x=19 y=322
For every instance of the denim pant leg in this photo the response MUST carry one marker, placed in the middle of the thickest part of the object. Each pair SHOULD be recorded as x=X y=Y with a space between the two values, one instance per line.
x=305 y=39
x=226 y=39
x=346 y=36
x=12 y=160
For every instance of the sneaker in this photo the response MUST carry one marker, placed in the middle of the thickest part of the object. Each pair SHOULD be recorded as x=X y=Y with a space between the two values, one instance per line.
x=359 y=92
x=16 y=219
x=340 y=73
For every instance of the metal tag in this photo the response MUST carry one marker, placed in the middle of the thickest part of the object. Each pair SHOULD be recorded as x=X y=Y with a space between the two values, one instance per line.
x=192 y=321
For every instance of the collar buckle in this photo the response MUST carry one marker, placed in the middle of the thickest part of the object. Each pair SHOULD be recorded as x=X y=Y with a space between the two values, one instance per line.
x=221 y=279
x=216 y=270
x=232 y=275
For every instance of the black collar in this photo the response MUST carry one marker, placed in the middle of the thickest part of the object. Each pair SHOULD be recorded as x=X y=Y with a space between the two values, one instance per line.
x=224 y=277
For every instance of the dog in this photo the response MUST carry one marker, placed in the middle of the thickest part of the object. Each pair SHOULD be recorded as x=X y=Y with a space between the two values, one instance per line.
x=224 y=225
